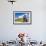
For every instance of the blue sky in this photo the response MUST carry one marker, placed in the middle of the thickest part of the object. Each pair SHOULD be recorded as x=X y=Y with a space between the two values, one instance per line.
x=19 y=14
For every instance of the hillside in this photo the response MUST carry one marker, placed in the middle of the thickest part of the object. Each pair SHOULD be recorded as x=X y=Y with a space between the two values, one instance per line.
x=19 y=20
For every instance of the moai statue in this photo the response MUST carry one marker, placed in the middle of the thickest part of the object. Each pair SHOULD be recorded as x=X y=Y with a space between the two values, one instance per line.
x=21 y=36
x=40 y=42
x=25 y=18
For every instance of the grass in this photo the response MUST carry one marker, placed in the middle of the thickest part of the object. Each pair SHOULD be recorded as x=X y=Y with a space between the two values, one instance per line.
x=19 y=20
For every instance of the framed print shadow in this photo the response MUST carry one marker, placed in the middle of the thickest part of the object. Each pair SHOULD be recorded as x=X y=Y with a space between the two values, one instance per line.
x=22 y=17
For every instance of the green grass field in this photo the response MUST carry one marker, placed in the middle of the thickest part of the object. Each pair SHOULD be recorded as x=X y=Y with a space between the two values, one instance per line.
x=21 y=20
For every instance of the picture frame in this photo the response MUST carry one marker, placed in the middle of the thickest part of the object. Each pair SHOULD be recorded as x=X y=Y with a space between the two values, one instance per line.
x=22 y=17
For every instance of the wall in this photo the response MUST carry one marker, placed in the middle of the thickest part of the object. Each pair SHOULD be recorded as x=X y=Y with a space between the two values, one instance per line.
x=9 y=31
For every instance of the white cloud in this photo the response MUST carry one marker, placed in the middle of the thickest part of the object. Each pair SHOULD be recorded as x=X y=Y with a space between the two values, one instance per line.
x=22 y=15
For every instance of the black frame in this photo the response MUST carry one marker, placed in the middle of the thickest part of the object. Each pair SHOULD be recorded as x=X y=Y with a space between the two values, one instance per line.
x=22 y=23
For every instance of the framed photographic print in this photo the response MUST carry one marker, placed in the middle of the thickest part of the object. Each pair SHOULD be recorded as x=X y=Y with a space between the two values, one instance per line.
x=22 y=17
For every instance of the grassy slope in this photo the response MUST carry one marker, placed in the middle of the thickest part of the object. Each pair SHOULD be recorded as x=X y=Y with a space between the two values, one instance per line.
x=19 y=20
